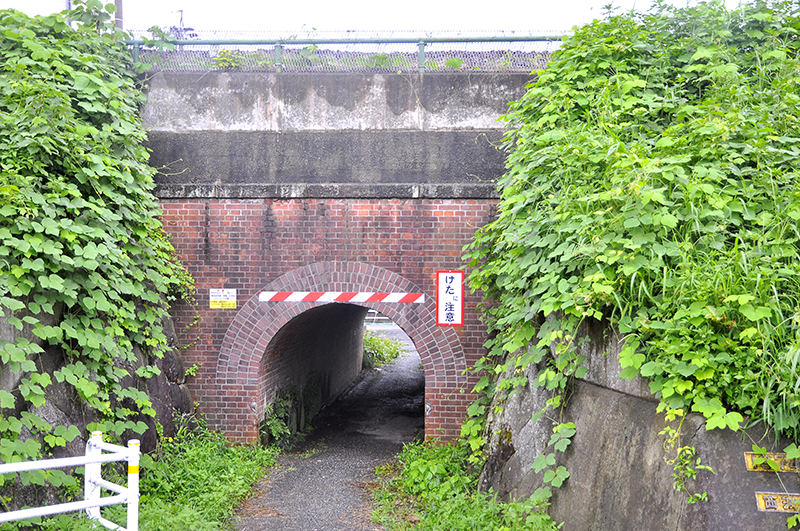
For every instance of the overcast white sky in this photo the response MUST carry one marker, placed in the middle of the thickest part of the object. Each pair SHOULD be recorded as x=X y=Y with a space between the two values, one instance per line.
x=520 y=15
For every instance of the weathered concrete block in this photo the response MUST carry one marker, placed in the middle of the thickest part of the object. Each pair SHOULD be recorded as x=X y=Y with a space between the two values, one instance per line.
x=360 y=158
x=328 y=135
x=619 y=477
x=602 y=360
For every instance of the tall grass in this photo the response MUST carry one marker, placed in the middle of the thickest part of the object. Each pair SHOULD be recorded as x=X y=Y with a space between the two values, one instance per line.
x=192 y=482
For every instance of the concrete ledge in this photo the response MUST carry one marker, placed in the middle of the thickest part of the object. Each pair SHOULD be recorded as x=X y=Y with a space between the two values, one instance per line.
x=327 y=191
x=325 y=157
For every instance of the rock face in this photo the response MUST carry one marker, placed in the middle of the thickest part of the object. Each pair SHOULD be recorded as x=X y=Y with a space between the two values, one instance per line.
x=619 y=477
x=63 y=407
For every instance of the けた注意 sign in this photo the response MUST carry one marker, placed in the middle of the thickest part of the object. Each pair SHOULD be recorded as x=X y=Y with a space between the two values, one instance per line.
x=449 y=298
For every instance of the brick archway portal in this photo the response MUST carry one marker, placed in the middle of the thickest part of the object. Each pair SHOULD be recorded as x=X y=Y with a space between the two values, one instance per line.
x=247 y=372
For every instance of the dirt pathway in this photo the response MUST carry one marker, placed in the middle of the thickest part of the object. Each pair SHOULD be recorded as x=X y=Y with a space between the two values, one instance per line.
x=317 y=486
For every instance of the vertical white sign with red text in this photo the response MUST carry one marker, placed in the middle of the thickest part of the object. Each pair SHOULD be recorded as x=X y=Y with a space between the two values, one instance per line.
x=449 y=298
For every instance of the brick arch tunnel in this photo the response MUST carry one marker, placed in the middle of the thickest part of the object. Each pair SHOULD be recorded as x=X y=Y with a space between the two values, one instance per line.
x=272 y=345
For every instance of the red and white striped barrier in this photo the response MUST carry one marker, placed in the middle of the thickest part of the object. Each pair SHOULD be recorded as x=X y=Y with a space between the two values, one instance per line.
x=339 y=296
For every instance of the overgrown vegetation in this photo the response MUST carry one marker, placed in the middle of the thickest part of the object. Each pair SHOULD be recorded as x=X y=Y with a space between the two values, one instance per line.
x=228 y=60
x=200 y=470
x=191 y=483
x=85 y=267
x=276 y=420
x=432 y=487
x=652 y=184
x=379 y=350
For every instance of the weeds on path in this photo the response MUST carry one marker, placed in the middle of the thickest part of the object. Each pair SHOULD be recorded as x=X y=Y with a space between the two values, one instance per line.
x=431 y=487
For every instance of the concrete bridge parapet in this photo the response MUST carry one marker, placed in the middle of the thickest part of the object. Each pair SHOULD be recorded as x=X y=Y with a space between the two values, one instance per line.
x=241 y=135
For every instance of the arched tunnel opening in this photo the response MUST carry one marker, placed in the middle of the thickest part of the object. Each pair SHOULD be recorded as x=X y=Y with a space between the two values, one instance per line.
x=315 y=379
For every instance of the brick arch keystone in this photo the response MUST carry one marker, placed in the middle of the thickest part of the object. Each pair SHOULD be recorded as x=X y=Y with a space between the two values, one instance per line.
x=241 y=386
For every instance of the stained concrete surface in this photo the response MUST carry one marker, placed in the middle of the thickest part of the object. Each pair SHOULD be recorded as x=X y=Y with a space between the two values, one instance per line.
x=336 y=134
x=318 y=486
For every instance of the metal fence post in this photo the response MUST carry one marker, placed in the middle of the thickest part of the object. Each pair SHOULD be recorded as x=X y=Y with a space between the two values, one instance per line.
x=278 y=56
x=421 y=55
x=133 y=485
x=93 y=472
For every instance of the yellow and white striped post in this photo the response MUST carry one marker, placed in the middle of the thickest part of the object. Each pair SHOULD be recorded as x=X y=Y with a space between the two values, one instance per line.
x=93 y=473
x=133 y=485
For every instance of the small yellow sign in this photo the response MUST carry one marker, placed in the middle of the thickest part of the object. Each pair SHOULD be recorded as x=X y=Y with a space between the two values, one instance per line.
x=784 y=465
x=778 y=501
x=224 y=299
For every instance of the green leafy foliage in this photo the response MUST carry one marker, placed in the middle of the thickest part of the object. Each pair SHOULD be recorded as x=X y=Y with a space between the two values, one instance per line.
x=191 y=483
x=380 y=350
x=199 y=469
x=275 y=427
x=652 y=183
x=228 y=60
x=433 y=487
x=84 y=262
x=685 y=466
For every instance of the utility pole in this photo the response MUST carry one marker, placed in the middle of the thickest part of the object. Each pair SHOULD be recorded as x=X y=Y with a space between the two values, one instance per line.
x=118 y=14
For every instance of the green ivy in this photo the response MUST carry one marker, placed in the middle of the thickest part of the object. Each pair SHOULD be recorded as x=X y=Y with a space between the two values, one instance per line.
x=652 y=183
x=84 y=261
x=228 y=60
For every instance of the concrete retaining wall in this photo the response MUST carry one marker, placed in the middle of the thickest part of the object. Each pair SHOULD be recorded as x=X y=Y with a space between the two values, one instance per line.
x=619 y=474
x=238 y=135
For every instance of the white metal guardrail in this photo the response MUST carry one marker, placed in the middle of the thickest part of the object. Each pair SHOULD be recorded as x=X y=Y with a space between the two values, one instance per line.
x=93 y=483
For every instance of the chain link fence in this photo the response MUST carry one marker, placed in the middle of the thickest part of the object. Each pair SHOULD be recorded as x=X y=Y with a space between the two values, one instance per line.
x=353 y=51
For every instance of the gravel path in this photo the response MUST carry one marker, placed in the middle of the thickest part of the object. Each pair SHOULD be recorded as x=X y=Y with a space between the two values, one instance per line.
x=318 y=485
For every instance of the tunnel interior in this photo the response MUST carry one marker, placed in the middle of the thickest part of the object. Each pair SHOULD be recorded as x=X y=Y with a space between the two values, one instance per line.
x=318 y=354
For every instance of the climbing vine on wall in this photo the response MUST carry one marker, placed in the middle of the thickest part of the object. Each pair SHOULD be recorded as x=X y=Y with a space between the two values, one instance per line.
x=652 y=183
x=84 y=263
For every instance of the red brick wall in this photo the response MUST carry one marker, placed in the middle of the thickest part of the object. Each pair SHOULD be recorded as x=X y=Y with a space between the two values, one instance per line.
x=318 y=245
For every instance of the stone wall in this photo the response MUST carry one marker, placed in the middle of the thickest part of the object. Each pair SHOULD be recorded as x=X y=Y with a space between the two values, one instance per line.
x=619 y=477
x=63 y=406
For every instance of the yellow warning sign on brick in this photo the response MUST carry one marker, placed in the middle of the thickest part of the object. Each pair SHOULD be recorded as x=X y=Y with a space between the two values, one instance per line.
x=224 y=299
